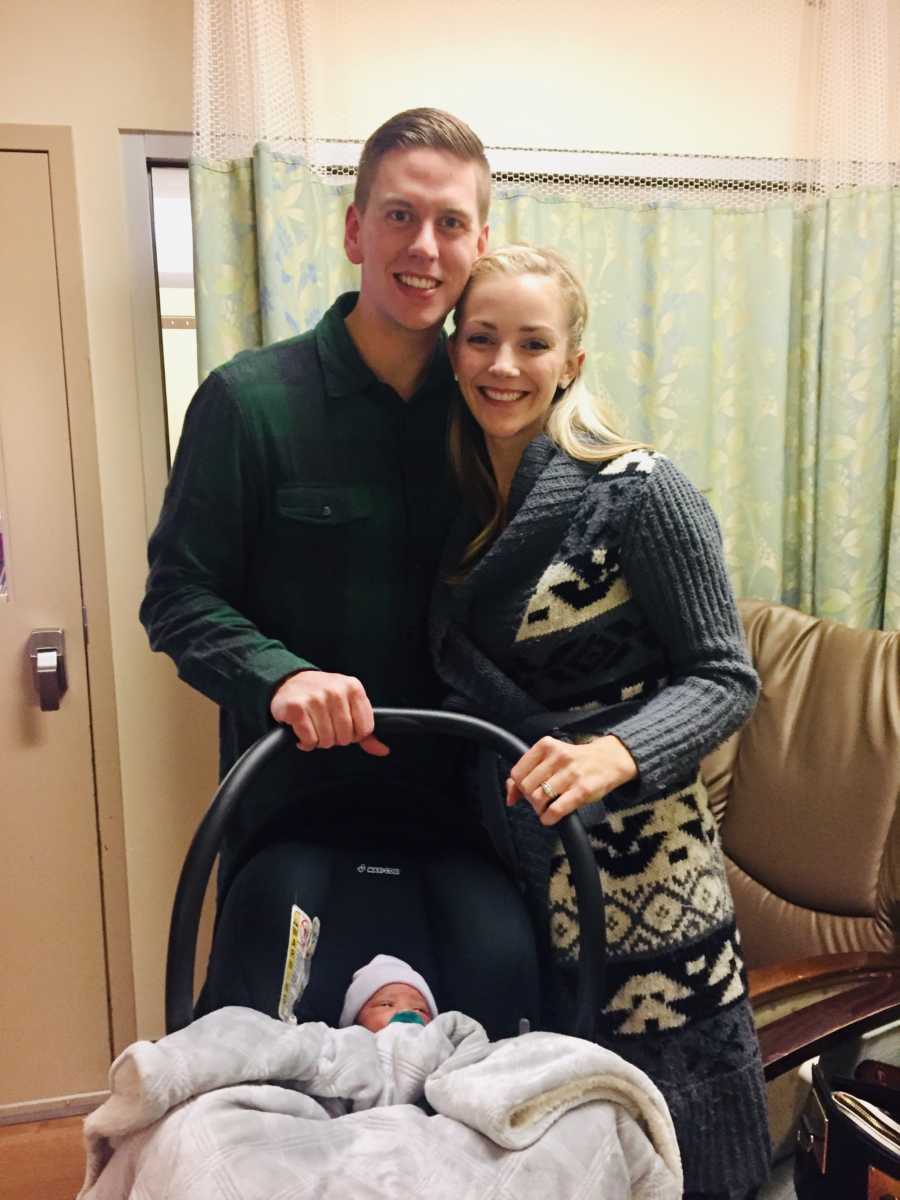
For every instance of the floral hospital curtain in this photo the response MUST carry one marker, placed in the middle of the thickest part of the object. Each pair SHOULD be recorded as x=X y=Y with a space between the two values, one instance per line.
x=759 y=349
x=758 y=345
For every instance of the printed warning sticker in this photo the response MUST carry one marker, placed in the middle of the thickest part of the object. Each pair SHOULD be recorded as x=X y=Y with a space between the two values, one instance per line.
x=302 y=942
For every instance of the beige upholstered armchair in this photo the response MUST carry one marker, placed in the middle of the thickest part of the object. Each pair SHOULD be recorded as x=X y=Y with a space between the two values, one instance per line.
x=807 y=791
x=807 y=799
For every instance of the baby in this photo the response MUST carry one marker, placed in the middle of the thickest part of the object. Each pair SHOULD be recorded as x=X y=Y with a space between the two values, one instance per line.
x=384 y=990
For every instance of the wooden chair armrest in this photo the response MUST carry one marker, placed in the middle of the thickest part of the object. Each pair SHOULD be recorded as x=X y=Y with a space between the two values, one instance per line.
x=806 y=1032
x=776 y=982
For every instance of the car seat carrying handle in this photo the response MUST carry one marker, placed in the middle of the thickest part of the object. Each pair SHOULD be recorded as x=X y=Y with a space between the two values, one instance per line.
x=205 y=845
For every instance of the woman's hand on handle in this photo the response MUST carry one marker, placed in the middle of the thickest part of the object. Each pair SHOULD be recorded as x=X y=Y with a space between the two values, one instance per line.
x=325 y=709
x=556 y=778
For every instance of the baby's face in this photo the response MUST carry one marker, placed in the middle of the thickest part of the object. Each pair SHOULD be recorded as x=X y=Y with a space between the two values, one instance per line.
x=389 y=1000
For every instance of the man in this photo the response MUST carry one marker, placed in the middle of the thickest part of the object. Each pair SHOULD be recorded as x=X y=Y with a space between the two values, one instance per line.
x=299 y=537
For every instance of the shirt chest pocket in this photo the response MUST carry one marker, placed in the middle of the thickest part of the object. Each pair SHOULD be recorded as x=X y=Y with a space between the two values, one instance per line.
x=301 y=506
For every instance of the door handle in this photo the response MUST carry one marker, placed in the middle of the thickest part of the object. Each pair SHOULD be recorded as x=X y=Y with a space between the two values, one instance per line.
x=47 y=652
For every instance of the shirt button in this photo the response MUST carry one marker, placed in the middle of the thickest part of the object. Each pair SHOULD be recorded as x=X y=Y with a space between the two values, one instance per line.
x=326 y=510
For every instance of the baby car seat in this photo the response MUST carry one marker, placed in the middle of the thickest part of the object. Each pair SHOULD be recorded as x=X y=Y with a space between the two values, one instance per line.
x=455 y=915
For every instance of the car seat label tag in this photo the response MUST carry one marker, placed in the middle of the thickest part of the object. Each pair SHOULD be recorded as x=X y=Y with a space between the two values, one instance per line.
x=302 y=941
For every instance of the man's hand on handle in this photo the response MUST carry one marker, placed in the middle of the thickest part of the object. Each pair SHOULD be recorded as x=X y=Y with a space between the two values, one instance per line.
x=324 y=710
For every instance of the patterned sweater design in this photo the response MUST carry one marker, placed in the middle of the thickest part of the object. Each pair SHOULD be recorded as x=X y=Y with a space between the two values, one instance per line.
x=606 y=595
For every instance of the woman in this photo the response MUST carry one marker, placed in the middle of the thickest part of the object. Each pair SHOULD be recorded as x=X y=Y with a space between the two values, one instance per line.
x=586 y=600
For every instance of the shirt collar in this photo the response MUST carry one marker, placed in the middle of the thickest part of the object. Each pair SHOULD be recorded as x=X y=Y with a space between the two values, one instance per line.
x=346 y=371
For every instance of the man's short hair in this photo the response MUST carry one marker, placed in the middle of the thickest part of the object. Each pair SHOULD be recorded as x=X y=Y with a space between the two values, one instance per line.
x=424 y=127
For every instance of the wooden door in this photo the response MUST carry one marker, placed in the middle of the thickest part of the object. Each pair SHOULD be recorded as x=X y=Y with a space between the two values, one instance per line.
x=54 y=998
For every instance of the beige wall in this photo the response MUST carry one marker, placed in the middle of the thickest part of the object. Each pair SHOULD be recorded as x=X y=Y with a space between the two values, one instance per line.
x=101 y=66
x=674 y=76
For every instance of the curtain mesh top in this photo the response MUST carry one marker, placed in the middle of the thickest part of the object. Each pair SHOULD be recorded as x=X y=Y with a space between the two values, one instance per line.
x=835 y=61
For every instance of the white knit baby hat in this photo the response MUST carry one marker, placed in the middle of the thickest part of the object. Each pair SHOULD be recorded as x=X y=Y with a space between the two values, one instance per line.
x=383 y=969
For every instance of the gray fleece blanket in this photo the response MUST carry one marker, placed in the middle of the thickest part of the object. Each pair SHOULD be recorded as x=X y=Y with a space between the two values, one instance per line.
x=238 y=1106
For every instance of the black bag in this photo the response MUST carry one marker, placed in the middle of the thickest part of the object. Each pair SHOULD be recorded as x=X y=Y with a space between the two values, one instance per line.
x=848 y=1142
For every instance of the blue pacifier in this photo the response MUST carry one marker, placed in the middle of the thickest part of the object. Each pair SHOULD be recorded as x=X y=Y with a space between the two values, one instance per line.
x=407 y=1018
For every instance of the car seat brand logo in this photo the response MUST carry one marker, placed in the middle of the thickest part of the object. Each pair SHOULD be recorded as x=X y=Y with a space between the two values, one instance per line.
x=364 y=870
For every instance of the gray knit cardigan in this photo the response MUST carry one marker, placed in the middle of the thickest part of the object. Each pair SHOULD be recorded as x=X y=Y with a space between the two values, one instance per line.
x=605 y=600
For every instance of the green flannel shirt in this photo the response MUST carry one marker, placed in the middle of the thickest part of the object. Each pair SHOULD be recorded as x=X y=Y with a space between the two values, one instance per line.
x=302 y=526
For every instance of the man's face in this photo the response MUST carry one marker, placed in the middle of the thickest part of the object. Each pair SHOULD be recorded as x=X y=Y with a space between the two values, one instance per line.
x=417 y=238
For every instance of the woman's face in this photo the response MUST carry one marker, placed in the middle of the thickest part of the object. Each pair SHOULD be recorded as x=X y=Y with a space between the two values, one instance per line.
x=510 y=355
